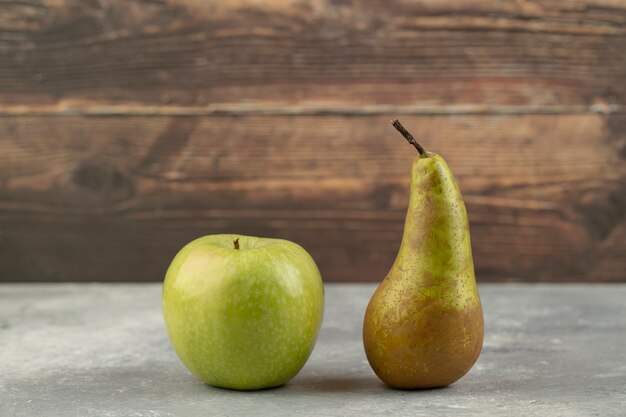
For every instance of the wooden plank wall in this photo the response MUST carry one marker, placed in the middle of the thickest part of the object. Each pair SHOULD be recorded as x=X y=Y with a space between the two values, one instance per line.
x=129 y=127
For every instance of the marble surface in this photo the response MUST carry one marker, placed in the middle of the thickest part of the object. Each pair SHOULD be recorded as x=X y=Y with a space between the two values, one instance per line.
x=101 y=350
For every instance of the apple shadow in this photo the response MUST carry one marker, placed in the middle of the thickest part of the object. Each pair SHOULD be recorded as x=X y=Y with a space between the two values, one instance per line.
x=317 y=384
x=337 y=383
x=353 y=384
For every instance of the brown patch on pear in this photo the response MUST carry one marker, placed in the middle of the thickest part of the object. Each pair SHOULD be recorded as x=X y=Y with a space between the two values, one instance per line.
x=429 y=346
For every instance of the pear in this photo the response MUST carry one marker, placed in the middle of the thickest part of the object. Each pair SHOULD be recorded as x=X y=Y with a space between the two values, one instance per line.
x=423 y=326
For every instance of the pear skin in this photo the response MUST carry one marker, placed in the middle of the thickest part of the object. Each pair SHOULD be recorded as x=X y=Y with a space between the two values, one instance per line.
x=423 y=326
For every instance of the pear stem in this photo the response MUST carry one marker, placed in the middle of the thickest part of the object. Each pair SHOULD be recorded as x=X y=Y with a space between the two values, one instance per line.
x=408 y=137
x=236 y=243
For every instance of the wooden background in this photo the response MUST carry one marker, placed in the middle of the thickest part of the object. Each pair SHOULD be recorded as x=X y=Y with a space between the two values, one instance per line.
x=128 y=128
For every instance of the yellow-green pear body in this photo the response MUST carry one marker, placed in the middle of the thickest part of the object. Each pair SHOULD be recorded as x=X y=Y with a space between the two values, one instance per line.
x=423 y=326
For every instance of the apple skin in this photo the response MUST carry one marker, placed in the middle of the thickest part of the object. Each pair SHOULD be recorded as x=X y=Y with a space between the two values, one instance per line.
x=244 y=318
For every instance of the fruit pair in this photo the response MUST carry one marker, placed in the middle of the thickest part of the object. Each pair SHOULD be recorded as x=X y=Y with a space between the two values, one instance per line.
x=244 y=312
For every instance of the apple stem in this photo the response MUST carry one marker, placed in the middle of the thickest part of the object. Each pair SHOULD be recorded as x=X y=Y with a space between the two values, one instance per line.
x=236 y=243
x=408 y=137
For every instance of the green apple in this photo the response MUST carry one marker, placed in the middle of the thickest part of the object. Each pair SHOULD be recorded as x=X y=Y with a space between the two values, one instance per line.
x=243 y=312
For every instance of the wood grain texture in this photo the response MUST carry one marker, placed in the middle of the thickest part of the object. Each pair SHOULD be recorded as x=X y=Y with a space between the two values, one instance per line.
x=431 y=56
x=113 y=198
x=127 y=128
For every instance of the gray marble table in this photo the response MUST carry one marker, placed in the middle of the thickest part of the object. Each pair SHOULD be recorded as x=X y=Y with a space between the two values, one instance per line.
x=101 y=350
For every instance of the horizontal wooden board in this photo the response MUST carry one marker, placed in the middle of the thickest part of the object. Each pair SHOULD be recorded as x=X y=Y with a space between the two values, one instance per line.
x=432 y=56
x=113 y=198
